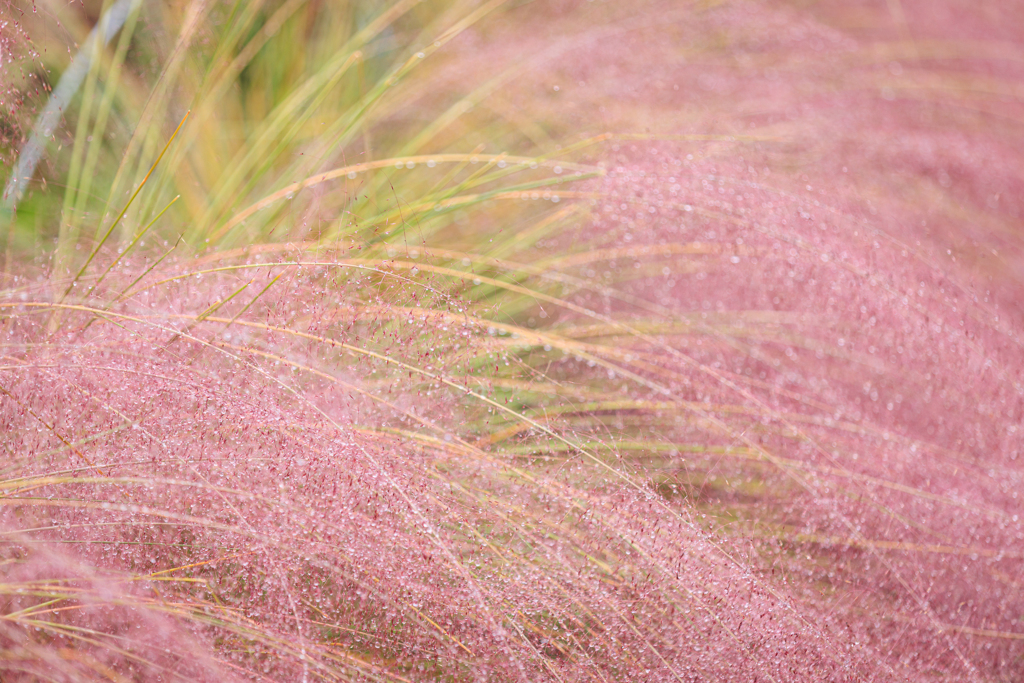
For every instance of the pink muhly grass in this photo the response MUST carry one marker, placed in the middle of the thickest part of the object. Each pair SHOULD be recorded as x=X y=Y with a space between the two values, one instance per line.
x=246 y=479
x=66 y=620
x=748 y=407
x=16 y=82
x=278 y=483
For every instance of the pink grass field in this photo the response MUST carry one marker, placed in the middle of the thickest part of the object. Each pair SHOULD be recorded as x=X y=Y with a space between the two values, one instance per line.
x=753 y=410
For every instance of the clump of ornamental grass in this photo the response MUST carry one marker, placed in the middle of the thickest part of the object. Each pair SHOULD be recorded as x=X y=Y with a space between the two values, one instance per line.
x=321 y=487
x=734 y=398
x=312 y=463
